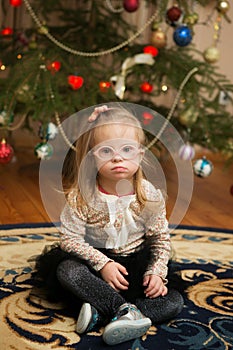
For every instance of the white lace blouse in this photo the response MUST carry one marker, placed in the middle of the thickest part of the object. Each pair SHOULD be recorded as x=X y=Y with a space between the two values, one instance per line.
x=118 y=224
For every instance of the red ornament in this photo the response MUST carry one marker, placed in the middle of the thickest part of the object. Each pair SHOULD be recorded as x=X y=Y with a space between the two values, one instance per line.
x=15 y=2
x=146 y=87
x=7 y=31
x=75 y=81
x=151 y=50
x=131 y=5
x=104 y=86
x=147 y=118
x=54 y=66
x=6 y=152
x=173 y=14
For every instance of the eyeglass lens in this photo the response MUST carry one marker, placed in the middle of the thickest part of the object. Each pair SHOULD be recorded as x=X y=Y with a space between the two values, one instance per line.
x=126 y=152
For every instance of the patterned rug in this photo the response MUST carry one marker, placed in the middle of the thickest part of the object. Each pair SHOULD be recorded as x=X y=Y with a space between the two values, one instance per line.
x=29 y=322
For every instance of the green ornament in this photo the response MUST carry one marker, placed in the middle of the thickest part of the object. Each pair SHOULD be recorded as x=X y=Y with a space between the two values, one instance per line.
x=43 y=150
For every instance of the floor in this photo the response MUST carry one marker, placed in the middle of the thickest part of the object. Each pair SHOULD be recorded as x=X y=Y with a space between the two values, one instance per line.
x=211 y=203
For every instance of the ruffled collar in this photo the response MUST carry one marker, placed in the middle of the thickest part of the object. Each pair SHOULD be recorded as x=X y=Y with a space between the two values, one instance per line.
x=118 y=205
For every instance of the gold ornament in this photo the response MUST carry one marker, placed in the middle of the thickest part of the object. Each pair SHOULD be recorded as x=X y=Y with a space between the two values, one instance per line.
x=211 y=55
x=188 y=117
x=158 y=38
x=223 y=6
x=191 y=19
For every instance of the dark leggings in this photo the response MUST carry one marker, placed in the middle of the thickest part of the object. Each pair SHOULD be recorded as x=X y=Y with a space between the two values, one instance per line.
x=88 y=286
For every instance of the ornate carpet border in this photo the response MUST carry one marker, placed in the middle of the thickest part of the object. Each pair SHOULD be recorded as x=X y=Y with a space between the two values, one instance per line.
x=51 y=225
x=24 y=233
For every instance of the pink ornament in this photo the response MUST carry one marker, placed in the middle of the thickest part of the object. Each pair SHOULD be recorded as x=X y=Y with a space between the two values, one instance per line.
x=131 y=5
x=186 y=152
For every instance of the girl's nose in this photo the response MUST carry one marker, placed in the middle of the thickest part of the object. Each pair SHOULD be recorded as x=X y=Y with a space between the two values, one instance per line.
x=117 y=158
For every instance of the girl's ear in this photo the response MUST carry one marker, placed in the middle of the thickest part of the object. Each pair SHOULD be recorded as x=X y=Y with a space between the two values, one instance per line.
x=141 y=154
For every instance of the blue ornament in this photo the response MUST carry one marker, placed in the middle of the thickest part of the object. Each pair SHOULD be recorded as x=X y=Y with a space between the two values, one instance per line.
x=182 y=35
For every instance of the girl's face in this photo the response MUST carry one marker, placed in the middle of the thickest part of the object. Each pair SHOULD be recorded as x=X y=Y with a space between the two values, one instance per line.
x=117 y=153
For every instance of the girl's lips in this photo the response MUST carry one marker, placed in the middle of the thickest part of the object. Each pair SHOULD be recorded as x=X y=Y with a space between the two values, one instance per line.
x=119 y=168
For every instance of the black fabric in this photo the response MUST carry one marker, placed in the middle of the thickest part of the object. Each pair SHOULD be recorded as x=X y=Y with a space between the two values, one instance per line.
x=135 y=263
x=48 y=262
x=45 y=274
x=161 y=309
x=86 y=286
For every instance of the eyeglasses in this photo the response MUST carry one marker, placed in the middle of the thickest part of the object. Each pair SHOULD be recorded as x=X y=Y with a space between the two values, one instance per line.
x=126 y=152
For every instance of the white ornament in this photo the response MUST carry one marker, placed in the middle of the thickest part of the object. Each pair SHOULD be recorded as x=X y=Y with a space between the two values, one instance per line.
x=186 y=152
x=202 y=167
x=224 y=98
x=2 y=117
x=44 y=151
x=52 y=131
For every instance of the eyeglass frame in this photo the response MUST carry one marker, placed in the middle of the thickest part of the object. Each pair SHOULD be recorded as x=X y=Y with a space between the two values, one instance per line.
x=138 y=150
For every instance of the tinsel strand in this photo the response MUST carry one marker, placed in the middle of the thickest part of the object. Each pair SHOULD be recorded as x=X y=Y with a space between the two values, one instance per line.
x=156 y=138
x=15 y=127
x=113 y=9
x=67 y=141
x=182 y=85
x=81 y=53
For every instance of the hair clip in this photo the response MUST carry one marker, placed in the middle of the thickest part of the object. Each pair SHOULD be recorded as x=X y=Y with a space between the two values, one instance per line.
x=94 y=115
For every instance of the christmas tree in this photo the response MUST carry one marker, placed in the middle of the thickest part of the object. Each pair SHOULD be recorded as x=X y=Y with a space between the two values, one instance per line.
x=63 y=56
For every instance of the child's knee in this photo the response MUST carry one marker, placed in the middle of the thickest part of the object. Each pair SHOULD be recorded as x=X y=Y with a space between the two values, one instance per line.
x=68 y=269
x=176 y=301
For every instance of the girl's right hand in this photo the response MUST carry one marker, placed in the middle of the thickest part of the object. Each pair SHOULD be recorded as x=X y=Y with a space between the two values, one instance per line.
x=112 y=273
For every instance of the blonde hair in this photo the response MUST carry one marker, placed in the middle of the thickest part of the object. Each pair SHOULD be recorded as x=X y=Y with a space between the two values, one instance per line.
x=78 y=163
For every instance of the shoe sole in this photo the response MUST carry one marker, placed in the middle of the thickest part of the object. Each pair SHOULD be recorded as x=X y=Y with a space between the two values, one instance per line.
x=120 y=331
x=83 y=318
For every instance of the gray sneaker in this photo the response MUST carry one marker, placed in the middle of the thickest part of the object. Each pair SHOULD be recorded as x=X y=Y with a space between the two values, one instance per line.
x=88 y=318
x=129 y=323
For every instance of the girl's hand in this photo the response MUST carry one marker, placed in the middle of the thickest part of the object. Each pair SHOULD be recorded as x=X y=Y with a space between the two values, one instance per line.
x=112 y=273
x=154 y=286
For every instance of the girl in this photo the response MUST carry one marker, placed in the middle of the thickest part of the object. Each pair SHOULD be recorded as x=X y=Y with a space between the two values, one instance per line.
x=115 y=246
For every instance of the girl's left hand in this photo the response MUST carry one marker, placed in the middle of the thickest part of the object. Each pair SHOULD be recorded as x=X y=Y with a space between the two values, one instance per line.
x=154 y=286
